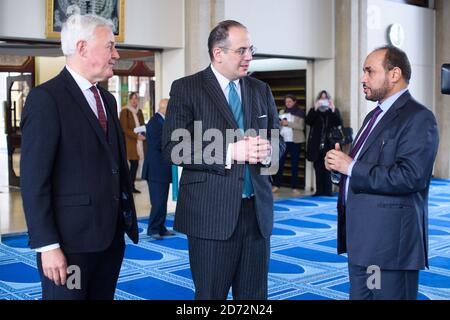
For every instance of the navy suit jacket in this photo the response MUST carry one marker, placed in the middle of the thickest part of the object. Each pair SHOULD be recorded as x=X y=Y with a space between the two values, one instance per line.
x=385 y=222
x=72 y=175
x=210 y=196
x=156 y=168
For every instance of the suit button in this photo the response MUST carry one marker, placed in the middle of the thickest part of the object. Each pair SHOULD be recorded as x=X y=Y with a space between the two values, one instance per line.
x=116 y=198
x=115 y=171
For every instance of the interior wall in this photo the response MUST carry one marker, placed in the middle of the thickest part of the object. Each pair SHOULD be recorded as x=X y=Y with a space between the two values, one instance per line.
x=323 y=72
x=173 y=62
x=150 y=23
x=300 y=28
x=419 y=27
x=47 y=68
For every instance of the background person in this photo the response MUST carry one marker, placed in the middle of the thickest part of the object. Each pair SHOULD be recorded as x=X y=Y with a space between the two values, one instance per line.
x=321 y=118
x=158 y=173
x=292 y=122
x=131 y=117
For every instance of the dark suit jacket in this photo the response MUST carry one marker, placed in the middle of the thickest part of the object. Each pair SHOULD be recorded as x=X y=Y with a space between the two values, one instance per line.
x=72 y=176
x=156 y=168
x=386 y=216
x=210 y=196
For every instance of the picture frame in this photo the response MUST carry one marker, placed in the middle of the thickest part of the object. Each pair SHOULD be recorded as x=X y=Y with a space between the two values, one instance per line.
x=57 y=12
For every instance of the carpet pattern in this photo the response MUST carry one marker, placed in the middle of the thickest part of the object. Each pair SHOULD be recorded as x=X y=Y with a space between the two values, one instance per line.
x=303 y=266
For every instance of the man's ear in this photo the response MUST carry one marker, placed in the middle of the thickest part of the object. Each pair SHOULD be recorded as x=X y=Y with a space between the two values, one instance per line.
x=81 y=48
x=396 y=74
x=217 y=54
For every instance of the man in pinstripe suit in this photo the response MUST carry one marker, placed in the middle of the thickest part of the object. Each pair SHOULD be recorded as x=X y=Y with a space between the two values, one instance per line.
x=225 y=207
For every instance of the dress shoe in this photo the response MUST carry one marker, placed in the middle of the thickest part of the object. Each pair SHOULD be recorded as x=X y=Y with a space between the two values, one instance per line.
x=135 y=190
x=156 y=236
x=168 y=233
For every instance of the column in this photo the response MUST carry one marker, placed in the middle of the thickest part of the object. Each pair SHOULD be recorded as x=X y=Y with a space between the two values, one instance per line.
x=442 y=102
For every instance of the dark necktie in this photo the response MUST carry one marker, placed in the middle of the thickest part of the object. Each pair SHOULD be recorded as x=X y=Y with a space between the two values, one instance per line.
x=100 y=111
x=236 y=108
x=362 y=138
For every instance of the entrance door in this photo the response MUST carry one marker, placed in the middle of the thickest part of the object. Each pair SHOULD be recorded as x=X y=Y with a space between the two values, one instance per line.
x=18 y=88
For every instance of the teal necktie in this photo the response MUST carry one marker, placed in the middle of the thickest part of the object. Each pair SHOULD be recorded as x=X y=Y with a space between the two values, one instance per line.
x=236 y=107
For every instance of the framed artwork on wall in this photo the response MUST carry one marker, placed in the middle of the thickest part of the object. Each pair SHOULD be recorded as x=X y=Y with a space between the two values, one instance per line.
x=57 y=12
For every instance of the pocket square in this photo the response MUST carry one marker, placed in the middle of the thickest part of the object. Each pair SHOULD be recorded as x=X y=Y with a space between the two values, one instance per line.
x=263 y=116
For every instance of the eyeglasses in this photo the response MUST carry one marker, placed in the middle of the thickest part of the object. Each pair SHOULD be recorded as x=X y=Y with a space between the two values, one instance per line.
x=243 y=50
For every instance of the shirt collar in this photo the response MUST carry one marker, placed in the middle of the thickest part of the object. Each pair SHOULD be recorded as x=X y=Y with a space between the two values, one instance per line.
x=390 y=101
x=82 y=82
x=223 y=81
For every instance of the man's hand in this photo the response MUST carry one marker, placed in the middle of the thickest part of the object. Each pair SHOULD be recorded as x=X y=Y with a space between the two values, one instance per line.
x=140 y=137
x=250 y=149
x=337 y=160
x=54 y=266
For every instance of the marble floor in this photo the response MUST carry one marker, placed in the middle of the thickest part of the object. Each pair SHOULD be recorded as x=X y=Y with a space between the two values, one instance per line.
x=12 y=219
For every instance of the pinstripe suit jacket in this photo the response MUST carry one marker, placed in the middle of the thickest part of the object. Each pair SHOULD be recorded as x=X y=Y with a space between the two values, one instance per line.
x=210 y=196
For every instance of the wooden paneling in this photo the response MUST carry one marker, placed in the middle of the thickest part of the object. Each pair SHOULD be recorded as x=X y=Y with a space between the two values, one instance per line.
x=282 y=83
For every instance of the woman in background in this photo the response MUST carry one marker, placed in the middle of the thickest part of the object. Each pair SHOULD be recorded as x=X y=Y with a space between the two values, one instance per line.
x=321 y=118
x=131 y=117
x=292 y=121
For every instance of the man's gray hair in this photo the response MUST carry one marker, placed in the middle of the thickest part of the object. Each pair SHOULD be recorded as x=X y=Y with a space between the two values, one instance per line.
x=80 y=27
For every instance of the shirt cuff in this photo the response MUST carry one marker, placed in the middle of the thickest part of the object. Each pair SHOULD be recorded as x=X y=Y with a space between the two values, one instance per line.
x=48 y=248
x=228 y=158
x=350 y=168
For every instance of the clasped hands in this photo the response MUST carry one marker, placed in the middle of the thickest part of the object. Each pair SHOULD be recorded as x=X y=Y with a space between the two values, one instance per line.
x=336 y=160
x=251 y=150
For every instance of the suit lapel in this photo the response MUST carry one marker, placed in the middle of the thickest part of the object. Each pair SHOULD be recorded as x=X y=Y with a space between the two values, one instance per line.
x=247 y=102
x=78 y=96
x=384 y=122
x=215 y=92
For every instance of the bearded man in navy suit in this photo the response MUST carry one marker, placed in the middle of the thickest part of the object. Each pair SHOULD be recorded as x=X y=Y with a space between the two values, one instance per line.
x=383 y=198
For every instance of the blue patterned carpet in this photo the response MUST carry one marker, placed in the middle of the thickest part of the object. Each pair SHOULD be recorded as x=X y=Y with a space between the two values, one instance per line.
x=303 y=265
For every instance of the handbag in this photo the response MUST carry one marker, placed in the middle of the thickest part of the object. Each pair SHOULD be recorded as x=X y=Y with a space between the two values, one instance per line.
x=348 y=135
x=335 y=135
x=341 y=135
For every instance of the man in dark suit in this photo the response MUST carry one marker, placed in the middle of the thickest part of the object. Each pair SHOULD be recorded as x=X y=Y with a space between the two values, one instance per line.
x=225 y=208
x=158 y=173
x=74 y=174
x=383 y=200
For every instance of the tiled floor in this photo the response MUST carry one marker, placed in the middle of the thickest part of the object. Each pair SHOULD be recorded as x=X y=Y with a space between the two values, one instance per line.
x=12 y=219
